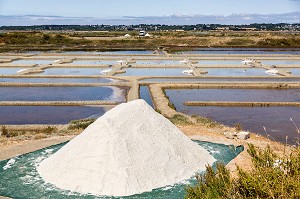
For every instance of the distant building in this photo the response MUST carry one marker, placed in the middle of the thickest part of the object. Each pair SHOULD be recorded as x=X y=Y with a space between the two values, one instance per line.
x=142 y=33
x=222 y=28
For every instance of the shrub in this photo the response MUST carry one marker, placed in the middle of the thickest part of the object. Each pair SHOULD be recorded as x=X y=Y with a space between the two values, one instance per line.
x=238 y=127
x=4 y=131
x=213 y=184
x=49 y=130
x=272 y=176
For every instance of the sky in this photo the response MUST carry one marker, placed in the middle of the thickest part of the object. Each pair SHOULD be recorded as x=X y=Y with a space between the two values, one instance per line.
x=84 y=11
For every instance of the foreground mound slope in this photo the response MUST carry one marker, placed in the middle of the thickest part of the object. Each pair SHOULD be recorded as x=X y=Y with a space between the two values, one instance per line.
x=131 y=149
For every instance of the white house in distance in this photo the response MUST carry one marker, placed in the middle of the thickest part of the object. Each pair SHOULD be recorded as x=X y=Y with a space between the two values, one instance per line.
x=142 y=33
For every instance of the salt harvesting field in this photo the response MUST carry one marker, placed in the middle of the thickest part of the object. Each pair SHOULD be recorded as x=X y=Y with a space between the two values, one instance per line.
x=41 y=89
x=84 y=75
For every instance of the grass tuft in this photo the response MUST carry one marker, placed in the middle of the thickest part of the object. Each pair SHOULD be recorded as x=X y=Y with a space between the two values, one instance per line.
x=80 y=124
x=206 y=121
x=178 y=119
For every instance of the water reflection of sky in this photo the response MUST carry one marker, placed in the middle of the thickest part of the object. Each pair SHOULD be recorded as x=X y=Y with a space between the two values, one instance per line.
x=153 y=72
x=235 y=72
x=72 y=71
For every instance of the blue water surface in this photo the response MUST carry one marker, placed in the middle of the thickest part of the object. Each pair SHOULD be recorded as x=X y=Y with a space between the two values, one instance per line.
x=20 y=179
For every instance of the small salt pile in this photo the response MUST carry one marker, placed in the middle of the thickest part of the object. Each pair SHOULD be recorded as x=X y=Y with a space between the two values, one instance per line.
x=130 y=150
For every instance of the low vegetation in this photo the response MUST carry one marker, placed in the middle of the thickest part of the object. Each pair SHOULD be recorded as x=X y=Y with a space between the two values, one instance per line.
x=171 y=105
x=74 y=128
x=37 y=38
x=179 y=119
x=4 y=131
x=80 y=124
x=28 y=134
x=272 y=176
x=206 y=121
x=114 y=40
x=238 y=127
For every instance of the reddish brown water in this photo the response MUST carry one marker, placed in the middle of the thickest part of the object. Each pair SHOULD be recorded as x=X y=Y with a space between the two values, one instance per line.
x=46 y=114
x=276 y=120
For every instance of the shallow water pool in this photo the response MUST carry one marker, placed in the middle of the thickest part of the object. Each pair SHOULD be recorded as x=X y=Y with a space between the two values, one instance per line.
x=31 y=62
x=93 y=62
x=72 y=71
x=16 y=115
x=275 y=119
x=56 y=80
x=281 y=62
x=20 y=179
x=220 y=62
x=9 y=71
x=262 y=79
x=61 y=94
x=235 y=72
x=157 y=62
x=295 y=71
x=153 y=72
x=242 y=51
x=179 y=96
x=145 y=95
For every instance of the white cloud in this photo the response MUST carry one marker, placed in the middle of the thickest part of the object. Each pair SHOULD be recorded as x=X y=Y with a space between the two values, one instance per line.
x=172 y=19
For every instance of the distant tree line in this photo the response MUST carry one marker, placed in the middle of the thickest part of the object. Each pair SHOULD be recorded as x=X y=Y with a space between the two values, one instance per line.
x=153 y=27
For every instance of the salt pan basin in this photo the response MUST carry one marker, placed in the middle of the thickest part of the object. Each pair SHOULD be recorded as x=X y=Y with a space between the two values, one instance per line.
x=129 y=150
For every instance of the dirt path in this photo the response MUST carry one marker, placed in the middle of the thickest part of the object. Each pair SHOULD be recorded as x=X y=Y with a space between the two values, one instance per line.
x=22 y=147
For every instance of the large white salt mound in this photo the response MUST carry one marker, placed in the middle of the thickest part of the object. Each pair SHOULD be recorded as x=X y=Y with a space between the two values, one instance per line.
x=129 y=150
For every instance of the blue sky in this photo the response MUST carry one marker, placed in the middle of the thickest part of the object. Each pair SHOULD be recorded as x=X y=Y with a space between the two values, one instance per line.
x=115 y=9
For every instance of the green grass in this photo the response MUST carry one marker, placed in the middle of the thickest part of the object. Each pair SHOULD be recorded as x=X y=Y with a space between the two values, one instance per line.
x=15 y=133
x=158 y=111
x=172 y=40
x=272 y=176
x=171 y=105
x=49 y=130
x=206 y=121
x=36 y=38
x=280 y=42
x=179 y=119
x=240 y=42
x=80 y=124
